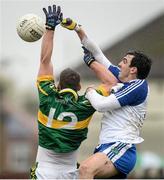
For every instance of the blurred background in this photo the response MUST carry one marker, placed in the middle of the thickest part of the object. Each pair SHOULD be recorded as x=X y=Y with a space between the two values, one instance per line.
x=117 y=26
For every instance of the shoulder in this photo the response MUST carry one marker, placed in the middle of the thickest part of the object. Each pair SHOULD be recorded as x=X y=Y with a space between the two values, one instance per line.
x=46 y=84
x=139 y=86
x=135 y=86
x=115 y=70
x=133 y=92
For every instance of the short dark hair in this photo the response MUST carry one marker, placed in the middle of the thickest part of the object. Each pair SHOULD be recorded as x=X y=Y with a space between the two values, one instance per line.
x=141 y=62
x=69 y=79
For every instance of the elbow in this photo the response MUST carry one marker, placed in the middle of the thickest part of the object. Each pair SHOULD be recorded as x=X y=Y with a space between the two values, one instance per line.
x=111 y=84
x=44 y=60
x=99 y=108
x=108 y=84
x=111 y=79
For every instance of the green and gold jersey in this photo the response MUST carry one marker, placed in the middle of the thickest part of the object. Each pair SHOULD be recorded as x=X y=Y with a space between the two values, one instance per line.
x=63 y=117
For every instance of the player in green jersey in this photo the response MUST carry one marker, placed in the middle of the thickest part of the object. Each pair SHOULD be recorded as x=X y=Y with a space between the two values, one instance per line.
x=63 y=115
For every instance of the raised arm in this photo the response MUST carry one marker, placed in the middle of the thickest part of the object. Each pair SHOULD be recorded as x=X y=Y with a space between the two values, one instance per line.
x=93 y=55
x=53 y=18
x=46 y=67
x=105 y=76
x=86 y=41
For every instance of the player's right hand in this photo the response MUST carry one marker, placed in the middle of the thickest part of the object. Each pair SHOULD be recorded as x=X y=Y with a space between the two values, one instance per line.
x=68 y=24
x=53 y=16
x=88 y=57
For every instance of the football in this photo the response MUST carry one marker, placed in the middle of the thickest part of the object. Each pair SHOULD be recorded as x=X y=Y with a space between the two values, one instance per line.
x=30 y=27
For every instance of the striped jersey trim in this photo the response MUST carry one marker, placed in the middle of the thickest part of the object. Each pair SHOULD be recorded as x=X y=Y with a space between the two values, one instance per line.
x=57 y=124
x=41 y=90
x=66 y=90
x=42 y=79
x=129 y=89
x=45 y=78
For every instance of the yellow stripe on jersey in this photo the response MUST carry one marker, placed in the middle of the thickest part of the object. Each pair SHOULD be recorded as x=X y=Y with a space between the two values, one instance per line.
x=83 y=124
x=103 y=90
x=57 y=124
x=45 y=78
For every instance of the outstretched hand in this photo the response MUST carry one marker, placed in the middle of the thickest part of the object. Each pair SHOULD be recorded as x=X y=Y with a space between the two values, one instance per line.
x=53 y=16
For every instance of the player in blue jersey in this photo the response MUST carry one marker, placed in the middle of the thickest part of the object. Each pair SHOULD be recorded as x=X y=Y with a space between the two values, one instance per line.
x=124 y=110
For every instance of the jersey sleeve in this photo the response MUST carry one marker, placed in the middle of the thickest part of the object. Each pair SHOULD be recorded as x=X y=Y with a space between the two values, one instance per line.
x=99 y=56
x=102 y=103
x=132 y=94
x=99 y=90
x=46 y=86
x=115 y=70
x=96 y=51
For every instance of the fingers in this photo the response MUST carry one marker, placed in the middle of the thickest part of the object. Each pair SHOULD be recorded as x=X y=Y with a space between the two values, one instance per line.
x=49 y=10
x=45 y=11
x=85 y=50
x=91 y=87
x=54 y=8
x=58 y=10
x=61 y=17
x=66 y=22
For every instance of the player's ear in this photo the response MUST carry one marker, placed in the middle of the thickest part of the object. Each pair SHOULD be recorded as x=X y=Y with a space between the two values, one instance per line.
x=133 y=70
x=79 y=87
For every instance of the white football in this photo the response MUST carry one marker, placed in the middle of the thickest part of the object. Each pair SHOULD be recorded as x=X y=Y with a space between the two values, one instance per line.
x=30 y=27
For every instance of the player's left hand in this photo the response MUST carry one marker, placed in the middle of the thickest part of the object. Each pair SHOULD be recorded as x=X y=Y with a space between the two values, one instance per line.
x=88 y=57
x=53 y=16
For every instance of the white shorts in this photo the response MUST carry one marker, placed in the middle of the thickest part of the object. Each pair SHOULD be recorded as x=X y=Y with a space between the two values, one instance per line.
x=51 y=165
x=48 y=173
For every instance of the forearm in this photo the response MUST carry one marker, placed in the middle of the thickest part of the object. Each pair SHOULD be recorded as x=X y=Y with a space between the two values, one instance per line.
x=46 y=67
x=81 y=33
x=96 y=51
x=88 y=43
x=101 y=103
x=105 y=76
x=92 y=47
x=53 y=16
x=47 y=47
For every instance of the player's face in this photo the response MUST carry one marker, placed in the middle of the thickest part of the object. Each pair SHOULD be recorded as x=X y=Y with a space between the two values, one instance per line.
x=124 y=67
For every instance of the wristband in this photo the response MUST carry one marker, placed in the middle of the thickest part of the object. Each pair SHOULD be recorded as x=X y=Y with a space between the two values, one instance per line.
x=77 y=28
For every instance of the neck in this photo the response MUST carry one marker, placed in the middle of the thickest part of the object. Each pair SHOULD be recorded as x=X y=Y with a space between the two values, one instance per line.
x=129 y=78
